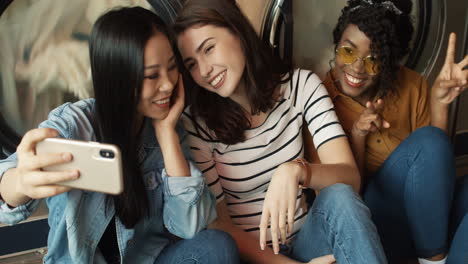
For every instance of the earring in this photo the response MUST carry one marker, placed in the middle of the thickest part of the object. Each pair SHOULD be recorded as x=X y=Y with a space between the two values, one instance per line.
x=331 y=63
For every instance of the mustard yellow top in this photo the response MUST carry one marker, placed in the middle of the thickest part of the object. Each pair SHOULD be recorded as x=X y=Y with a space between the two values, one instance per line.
x=406 y=111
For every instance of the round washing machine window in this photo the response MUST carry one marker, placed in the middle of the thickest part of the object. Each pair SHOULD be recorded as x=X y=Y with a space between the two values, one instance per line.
x=44 y=59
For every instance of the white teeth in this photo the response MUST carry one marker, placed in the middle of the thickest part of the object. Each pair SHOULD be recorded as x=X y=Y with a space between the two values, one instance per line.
x=164 y=101
x=353 y=80
x=218 y=79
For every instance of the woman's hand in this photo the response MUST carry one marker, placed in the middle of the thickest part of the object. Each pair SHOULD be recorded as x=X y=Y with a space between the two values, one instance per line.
x=31 y=180
x=168 y=139
x=176 y=109
x=279 y=206
x=327 y=259
x=453 y=78
x=370 y=120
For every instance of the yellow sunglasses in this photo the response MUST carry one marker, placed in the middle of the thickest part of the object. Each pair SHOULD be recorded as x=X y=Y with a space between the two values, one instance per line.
x=348 y=55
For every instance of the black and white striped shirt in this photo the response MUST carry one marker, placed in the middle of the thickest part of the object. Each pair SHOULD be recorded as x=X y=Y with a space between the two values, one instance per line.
x=241 y=173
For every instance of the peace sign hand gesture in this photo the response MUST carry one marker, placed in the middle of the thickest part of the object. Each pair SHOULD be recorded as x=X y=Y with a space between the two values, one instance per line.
x=453 y=78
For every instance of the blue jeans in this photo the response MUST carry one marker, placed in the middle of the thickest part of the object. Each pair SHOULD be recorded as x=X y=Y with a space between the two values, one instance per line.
x=411 y=194
x=208 y=246
x=338 y=223
x=458 y=252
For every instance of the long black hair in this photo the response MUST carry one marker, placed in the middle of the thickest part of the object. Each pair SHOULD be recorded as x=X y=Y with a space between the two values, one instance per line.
x=263 y=71
x=117 y=46
x=390 y=31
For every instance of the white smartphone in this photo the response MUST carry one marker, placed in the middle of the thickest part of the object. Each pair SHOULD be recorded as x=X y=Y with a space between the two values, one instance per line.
x=100 y=165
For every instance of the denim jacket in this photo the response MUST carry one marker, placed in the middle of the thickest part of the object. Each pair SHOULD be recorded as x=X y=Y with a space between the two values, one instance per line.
x=77 y=219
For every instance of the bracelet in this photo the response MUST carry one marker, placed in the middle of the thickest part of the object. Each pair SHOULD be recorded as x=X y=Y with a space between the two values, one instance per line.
x=305 y=164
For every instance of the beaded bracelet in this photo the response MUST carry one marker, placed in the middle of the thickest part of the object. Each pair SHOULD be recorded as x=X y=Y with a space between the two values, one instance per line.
x=308 y=176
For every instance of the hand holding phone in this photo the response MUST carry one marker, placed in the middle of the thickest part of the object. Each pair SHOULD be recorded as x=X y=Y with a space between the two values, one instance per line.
x=99 y=165
x=28 y=181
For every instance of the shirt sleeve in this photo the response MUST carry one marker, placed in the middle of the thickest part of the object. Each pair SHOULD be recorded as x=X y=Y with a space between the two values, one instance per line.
x=201 y=146
x=59 y=119
x=317 y=107
x=189 y=205
x=423 y=114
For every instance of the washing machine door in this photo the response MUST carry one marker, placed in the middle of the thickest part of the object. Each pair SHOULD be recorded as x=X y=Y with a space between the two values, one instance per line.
x=303 y=29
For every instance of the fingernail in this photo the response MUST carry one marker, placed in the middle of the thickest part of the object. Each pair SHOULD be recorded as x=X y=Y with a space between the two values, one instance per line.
x=75 y=174
x=66 y=156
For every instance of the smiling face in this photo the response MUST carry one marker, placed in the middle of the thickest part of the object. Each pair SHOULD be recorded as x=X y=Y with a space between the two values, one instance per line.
x=214 y=58
x=353 y=79
x=160 y=76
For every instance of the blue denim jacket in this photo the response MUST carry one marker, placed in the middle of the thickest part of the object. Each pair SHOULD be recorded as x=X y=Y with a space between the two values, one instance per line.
x=77 y=219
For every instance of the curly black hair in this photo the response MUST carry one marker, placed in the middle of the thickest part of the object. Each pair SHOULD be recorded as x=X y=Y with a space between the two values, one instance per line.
x=390 y=34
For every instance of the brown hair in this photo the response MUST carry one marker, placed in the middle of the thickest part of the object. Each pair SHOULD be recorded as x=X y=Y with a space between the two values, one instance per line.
x=263 y=71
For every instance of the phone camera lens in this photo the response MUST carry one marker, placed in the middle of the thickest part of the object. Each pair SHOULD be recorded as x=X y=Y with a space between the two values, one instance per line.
x=107 y=154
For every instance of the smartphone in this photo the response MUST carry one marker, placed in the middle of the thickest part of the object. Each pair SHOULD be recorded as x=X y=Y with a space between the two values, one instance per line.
x=100 y=165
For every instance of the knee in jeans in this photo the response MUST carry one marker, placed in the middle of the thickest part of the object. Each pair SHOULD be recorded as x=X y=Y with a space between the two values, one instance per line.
x=432 y=146
x=221 y=243
x=431 y=136
x=338 y=195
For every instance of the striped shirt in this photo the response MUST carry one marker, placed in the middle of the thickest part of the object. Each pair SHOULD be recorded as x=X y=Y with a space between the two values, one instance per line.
x=240 y=173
